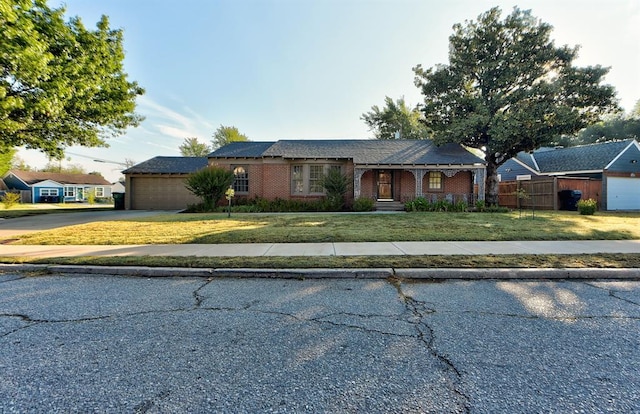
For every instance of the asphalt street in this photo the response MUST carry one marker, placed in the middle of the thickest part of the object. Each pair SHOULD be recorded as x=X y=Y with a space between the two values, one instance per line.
x=96 y=343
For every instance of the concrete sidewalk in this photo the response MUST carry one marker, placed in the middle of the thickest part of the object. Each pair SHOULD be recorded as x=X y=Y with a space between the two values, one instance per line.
x=331 y=249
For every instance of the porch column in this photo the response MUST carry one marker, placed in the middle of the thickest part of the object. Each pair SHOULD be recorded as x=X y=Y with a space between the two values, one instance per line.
x=479 y=177
x=357 y=177
x=418 y=174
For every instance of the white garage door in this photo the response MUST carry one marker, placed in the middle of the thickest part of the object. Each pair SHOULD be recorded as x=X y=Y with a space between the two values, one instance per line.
x=623 y=193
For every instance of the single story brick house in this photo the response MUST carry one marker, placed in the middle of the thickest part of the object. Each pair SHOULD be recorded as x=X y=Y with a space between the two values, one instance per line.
x=615 y=163
x=383 y=170
x=51 y=187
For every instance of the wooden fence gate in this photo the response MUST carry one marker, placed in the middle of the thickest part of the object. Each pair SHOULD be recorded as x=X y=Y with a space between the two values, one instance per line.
x=542 y=193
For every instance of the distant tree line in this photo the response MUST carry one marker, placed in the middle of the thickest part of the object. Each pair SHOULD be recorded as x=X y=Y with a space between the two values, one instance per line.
x=192 y=147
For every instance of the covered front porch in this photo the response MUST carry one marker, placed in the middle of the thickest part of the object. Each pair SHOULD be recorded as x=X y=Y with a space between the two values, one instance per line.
x=396 y=185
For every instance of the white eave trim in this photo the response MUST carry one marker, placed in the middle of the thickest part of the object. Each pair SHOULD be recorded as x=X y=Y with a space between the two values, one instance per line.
x=634 y=142
x=574 y=172
x=535 y=163
x=526 y=166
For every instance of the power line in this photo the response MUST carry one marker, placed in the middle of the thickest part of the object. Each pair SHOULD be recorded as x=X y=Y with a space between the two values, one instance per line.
x=98 y=159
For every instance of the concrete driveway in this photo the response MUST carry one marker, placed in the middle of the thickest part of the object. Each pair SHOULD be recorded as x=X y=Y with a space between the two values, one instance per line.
x=31 y=224
x=111 y=344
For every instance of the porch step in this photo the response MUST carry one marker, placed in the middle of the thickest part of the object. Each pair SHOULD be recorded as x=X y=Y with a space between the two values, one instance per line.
x=389 y=206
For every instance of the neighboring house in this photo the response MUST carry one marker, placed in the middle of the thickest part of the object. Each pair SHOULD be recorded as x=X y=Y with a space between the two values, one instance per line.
x=159 y=183
x=48 y=187
x=615 y=163
x=383 y=170
x=118 y=187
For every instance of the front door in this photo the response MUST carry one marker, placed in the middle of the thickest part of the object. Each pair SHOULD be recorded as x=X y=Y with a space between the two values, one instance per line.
x=385 y=190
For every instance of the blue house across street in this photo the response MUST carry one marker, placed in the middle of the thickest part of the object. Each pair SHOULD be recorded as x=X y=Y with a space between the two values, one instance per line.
x=47 y=187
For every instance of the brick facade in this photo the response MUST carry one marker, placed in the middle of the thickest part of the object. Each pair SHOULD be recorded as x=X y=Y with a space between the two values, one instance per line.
x=272 y=179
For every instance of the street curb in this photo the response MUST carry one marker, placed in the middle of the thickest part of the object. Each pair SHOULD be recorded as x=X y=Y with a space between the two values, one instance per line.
x=521 y=273
x=375 y=273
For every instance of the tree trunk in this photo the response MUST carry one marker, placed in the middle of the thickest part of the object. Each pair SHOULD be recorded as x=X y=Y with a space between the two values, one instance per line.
x=491 y=184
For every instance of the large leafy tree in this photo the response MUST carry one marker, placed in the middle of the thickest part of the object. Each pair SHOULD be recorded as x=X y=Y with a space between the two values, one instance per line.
x=508 y=88
x=191 y=147
x=6 y=161
x=395 y=120
x=227 y=134
x=61 y=84
x=615 y=127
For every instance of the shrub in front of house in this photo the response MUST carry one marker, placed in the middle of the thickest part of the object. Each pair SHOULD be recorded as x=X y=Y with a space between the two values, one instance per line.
x=262 y=205
x=363 y=204
x=91 y=197
x=336 y=185
x=10 y=199
x=493 y=208
x=422 y=204
x=209 y=184
x=587 y=207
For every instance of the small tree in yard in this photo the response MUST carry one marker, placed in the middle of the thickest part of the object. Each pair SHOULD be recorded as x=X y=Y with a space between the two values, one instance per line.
x=210 y=184
x=336 y=184
x=10 y=199
x=91 y=197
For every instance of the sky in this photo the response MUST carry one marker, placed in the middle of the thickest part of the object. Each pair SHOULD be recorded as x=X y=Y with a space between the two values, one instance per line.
x=308 y=69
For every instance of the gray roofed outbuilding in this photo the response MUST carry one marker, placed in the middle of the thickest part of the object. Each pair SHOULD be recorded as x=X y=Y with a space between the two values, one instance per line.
x=580 y=159
x=593 y=157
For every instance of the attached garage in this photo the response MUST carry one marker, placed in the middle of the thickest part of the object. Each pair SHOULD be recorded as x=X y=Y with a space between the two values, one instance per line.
x=160 y=193
x=159 y=183
x=623 y=193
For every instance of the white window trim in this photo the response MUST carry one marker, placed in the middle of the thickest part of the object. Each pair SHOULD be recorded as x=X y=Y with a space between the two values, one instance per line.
x=245 y=168
x=49 y=192
x=306 y=177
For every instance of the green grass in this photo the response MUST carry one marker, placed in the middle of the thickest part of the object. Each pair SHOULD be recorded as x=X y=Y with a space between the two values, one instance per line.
x=318 y=227
x=366 y=262
x=25 y=210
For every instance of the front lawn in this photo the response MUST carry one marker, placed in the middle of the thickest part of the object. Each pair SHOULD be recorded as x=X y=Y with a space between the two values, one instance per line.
x=345 y=227
x=23 y=210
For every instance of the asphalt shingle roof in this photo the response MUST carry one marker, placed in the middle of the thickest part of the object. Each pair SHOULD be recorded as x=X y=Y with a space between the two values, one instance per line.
x=591 y=157
x=168 y=165
x=33 y=177
x=247 y=149
x=383 y=152
x=581 y=158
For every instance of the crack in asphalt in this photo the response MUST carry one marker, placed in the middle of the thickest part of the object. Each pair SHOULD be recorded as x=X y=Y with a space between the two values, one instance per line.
x=11 y=279
x=613 y=293
x=426 y=334
x=196 y=293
